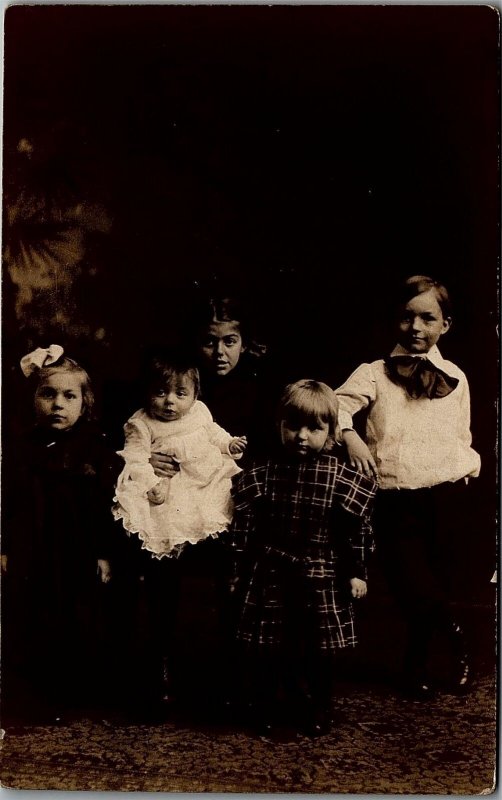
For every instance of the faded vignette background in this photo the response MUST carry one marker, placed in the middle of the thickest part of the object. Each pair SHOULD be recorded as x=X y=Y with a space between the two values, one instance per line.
x=306 y=156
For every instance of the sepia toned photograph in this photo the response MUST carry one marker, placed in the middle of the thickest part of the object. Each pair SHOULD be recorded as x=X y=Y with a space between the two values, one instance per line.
x=250 y=398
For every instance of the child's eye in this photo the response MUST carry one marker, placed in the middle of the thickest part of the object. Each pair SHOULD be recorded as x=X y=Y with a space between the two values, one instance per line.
x=46 y=393
x=230 y=340
x=160 y=393
x=70 y=396
x=181 y=394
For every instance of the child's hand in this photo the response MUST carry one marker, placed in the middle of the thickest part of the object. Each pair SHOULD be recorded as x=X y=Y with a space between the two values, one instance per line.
x=164 y=465
x=238 y=445
x=104 y=570
x=157 y=495
x=4 y=564
x=359 y=454
x=359 y=587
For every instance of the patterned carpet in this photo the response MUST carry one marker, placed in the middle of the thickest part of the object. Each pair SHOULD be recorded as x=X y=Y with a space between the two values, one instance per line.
x=381 y=743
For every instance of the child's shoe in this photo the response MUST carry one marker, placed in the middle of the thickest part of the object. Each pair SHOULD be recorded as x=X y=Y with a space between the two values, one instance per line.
x=319 y=724
x=263 y=719
x=417 y=686
x=461 y=679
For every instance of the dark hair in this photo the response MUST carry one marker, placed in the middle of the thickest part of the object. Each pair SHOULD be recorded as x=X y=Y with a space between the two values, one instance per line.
x=228 y=309
x=309 y=402
x=163 y=367
x=65 y=364
x=418 y=284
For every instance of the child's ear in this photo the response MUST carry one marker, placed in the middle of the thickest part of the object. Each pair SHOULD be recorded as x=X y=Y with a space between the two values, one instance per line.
x=447 y=323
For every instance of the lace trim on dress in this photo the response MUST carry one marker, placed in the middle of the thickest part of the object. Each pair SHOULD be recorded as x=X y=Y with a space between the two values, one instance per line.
x=164 y=548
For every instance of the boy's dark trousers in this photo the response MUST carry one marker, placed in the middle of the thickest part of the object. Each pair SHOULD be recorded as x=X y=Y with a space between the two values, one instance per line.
x=419 y=541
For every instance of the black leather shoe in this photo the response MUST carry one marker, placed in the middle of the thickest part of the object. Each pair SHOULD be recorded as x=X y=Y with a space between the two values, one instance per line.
x=263 y=720
x=319 y=724
x=461 y=679
x=461 y=682
x=418 y=688
x=264 y=727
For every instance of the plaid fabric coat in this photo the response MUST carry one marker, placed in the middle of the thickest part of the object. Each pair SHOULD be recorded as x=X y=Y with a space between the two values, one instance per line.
x=301 y=530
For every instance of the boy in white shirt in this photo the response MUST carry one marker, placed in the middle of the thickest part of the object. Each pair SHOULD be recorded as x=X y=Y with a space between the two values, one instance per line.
x=418 y=446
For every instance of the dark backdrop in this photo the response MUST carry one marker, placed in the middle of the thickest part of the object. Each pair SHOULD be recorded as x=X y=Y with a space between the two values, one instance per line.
x=308 y=155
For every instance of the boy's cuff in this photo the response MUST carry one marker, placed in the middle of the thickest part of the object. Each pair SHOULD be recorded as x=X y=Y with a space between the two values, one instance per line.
x=345 y=422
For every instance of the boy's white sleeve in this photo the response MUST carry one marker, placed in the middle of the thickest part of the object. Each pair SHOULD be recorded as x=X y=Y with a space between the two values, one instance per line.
x=464 y=419
x=464 y=422
x=358 y=391
x=136 y=454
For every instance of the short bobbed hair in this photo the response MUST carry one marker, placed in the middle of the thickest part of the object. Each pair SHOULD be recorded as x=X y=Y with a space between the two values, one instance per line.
x=309 y=402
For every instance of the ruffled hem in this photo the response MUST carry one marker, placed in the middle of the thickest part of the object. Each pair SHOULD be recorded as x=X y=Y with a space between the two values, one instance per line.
x=175 y=550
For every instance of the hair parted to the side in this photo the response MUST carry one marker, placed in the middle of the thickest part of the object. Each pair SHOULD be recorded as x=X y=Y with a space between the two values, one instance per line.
x=165 y=366
x=418 y=284
x=309 y=402
x=65 y=364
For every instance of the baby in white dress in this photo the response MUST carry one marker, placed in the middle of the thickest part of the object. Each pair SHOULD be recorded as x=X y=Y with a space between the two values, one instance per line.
x=195 y=503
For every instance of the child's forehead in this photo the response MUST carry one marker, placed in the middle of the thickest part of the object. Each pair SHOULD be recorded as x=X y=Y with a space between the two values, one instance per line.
x=425 y=301
x=303 y=414
x=62 y=380
x=182 y=379
x=222 y=328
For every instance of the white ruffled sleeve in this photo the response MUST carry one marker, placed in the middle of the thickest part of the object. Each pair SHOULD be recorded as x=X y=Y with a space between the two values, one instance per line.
x=217 y=435
x=136 y=454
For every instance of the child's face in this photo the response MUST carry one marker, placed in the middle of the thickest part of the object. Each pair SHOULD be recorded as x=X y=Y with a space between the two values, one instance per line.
x=58 y=401
x=174 y=400
x=301 y=440
x=222 y=346
x=421 y=323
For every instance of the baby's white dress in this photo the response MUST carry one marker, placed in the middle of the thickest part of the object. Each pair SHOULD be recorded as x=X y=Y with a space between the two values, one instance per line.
x=198 y=502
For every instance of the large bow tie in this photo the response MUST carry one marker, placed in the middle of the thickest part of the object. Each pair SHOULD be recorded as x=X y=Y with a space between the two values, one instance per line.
x=420 y=377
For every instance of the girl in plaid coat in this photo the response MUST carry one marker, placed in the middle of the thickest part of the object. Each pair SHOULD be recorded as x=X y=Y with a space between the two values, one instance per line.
x=301 y=534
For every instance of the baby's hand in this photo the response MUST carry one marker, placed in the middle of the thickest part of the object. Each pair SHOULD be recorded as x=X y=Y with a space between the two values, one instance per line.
x=359 y=454
x=157 y=494
x=104 y=570
x=164 y=465
x=359 y=588
x=238 y=445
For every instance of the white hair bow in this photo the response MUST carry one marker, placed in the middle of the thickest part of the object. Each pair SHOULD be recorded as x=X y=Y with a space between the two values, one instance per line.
x=41 y=357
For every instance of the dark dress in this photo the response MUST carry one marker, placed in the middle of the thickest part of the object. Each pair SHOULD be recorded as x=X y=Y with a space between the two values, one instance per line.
x=305 y=527
x=243 y=402
x=57 y=493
